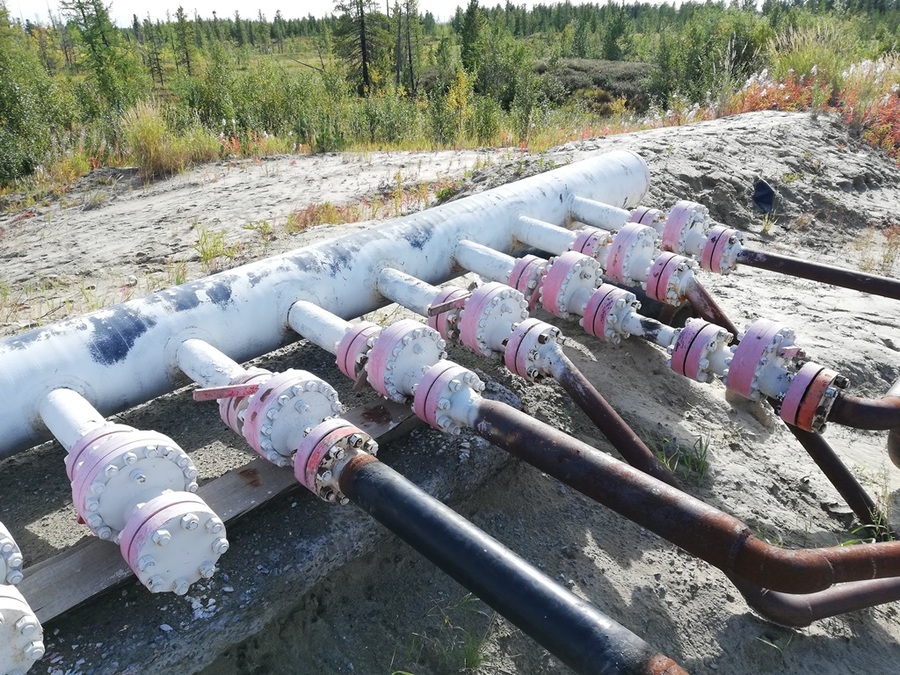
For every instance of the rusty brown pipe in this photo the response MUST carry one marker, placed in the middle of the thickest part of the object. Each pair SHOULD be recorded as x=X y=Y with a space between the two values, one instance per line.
x=700 y=529
x=844 y=481
x=827 y=274
x=797 y=611
x=607 y=420
x=873 y=414
x=706 y=306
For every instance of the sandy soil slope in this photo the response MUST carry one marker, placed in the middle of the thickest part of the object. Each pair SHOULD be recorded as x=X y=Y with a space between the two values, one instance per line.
x=391 y=611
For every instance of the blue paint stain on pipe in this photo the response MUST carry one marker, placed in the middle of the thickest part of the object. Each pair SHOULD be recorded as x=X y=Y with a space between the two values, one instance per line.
x=115 y=335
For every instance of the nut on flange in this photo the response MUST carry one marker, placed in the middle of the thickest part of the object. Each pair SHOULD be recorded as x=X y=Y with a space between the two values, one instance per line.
x=322 y=453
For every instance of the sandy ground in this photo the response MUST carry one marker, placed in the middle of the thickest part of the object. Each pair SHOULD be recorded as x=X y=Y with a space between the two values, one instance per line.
x=391 y=611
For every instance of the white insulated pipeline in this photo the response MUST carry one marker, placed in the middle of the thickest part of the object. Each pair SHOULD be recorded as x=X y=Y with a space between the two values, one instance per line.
x=123 y=356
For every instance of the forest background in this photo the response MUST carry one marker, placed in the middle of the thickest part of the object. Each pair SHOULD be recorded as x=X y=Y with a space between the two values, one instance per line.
x=78 y=92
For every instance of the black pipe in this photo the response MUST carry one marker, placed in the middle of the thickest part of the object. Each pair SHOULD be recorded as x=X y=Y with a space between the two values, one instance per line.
x=826 y=274
x=570 y=628
x=844 y=481
x=608 y=421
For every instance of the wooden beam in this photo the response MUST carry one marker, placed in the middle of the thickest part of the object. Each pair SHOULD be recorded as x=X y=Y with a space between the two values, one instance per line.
x=68 y=579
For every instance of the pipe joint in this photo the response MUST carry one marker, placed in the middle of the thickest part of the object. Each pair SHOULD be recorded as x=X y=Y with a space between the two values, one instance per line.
x=607 y=312
x=114 y=473
x=446 y=397
x=720 y=252
x=324 y=452
x=670 y=278
x=810 y=396
x=685 y=229
x=763 y=360
x=701 y=351
x=570 y=281
x=489 y=317
x=646 y=215
x=10 y=558
x=530 y=350
x=593 y=243
x=633 y=250
x=21 y=634
x=352 y=349
x=447 y=322
x=280 y=411
x=399 y=357
x=233 y=409
x=173 y=540
x=527 y=277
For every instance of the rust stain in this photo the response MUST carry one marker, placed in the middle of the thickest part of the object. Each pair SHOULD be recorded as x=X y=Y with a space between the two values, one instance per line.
x=377 y=415
x=251 y=476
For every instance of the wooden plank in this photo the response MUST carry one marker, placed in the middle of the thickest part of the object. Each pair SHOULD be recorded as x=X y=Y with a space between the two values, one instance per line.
x=64 y=581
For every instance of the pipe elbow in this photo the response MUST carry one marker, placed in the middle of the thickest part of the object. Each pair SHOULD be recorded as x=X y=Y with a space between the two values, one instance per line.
x=779 y=569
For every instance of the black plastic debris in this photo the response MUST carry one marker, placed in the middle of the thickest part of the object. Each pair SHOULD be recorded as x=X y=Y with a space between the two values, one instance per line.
x=763 y=196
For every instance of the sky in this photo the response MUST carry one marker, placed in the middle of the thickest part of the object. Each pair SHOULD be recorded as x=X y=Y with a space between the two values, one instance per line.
x=122 y=10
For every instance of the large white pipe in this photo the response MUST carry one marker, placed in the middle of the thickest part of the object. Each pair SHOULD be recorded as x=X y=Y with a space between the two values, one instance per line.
x=122 y=356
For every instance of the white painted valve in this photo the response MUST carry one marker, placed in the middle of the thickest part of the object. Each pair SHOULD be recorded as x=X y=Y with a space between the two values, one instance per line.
x=489 y=316
x=283 y=407
x=399 y=356
x=570 y=280
x=686 y=228
x=10 y=558
x=21 y=635
x=172 y=541
x=764 y=362
x=122 y=469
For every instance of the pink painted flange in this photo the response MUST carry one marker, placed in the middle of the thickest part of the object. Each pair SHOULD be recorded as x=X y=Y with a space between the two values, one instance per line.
x=528 y=269
x=431 y=387
x=555 y=280
x=91 y=438
x=521 y=341
x=747 y=356
x=352 y=345
x=315 y=445
x=690 y=348
x=230 y=408
x=440 y=322
x=645 y=215
x=382 y=352
x=661 y=273
x=618 y=252
x=714 y=249
x=675 y=223
x=477 y=304
x=805 y=395
x=598 y=308
x=589 y=242
x=255 y=416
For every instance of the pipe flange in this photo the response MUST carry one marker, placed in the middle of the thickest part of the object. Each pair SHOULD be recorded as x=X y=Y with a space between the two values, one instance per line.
x=567 y=275
x=606 y=311
x=122 y=470
x=233 y=410
x=634 y=247
x=721 y=250
x=322 y=450
x=93 y=437
x=444 y=396
x=523 y=349
x=489 y=316
x=400 y=355
x=668 y=278
x=353 y=347
x=646 y=215
x=809 y=397
x=527 y=276
x=282 y=409
x=685 y=218
x=591 y=242
x=11 y=559
x=172 y=541
x=447 y=323
x=761 y=363
x=21 y=634
x=692 y=353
